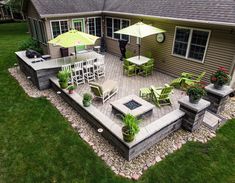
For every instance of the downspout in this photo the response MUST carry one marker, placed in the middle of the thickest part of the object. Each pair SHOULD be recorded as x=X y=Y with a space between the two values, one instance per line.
x=232 y=73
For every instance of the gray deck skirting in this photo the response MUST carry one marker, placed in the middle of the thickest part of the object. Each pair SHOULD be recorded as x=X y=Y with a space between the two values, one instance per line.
x=40 y=78
x=147 y=137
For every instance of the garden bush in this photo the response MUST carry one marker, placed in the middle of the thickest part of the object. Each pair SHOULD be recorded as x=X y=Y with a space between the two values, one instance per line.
x=30 y=44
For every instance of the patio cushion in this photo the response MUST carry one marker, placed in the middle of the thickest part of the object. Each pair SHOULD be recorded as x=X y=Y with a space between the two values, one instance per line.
x=97 y=85
x=109 y=85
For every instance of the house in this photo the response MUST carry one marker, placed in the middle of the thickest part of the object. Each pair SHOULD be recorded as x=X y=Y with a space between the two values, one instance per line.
x=200 y=34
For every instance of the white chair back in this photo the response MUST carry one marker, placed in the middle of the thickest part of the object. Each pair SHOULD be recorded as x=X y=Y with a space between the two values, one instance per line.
x=78 y=66
x=66 y=67
x=100 y=60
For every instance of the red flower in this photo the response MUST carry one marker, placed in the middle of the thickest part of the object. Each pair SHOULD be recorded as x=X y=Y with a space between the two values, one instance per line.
x=213 y=78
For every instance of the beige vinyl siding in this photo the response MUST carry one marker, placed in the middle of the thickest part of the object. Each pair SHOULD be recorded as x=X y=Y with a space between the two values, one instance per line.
x=220 y=51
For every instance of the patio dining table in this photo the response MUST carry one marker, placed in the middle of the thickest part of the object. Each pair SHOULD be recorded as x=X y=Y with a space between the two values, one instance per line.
x=138 y=60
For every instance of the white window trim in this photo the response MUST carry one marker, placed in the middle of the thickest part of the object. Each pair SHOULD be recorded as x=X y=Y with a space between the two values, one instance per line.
x=189 y=43
x=88 y=27
x=59 y=25
x=83 y=19
x=113 y=26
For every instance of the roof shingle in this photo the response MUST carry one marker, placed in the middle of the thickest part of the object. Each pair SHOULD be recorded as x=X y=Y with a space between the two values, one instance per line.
x=206 y=10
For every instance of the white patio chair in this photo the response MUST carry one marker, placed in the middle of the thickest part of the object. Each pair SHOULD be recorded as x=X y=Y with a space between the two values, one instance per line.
x=78 y=73
x=99 y=67
x=89 y=72
x=68 y=68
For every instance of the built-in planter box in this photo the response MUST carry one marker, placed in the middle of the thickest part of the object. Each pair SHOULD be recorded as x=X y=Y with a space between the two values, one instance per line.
x=147 y=137
x=218 y=98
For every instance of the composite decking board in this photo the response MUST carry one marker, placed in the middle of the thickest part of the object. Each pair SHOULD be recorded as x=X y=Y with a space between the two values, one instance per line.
x=131 y=85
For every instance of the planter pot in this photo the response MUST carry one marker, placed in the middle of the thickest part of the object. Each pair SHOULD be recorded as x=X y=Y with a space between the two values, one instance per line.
x=71 y=91
x=63 y=85
x=126 y=136
x=192 y=100
x=218 y=86
x=86 y=103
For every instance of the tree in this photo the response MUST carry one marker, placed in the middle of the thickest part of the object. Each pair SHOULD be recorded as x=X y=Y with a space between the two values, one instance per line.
x=16 y=6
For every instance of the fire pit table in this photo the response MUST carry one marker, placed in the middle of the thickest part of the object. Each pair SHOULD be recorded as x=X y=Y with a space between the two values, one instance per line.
x=133 y=105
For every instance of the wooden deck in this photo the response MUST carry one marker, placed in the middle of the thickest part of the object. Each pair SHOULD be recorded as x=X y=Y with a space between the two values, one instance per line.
x=131 y=85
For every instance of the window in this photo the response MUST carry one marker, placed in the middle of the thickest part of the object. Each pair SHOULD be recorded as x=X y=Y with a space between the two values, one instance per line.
x=94 y=26
x=59 y=27
x=35 y=25
x=37 y=30
x=109 y=23
x=42 y=32
x=116 y=27
x=32 y=28
x=191 y=43
x=115 y=24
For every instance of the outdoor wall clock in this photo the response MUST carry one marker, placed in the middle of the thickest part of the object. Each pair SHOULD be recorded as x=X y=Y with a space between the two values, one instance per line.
x=160 y=37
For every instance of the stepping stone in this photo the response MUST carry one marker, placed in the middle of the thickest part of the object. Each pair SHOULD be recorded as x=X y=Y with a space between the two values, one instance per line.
x=211 y=120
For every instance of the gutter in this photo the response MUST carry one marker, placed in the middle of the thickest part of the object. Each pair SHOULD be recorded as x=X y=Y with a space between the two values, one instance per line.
x=70 y=14
x=137 y=15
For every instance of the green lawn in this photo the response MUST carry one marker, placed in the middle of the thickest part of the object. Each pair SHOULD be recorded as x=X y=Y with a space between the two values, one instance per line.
x=38 y=145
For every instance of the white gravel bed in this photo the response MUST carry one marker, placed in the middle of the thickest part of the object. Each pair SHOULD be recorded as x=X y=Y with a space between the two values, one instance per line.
x=131 y=169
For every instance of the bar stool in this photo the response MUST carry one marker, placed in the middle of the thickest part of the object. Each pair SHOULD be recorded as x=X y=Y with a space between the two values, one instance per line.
x=78 y=73
x=89 y=72
x=99 y=67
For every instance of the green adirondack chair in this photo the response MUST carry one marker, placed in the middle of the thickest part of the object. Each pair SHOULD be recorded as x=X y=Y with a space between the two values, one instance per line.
x=194 y=79
x=186 y=79
x=161 y=96
x=129 y=54
x=128 y=68
x=146 y=69
x=145 y=93
x=148 y=54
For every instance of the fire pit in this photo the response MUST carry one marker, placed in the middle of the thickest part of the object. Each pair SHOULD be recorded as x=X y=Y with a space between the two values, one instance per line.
x=133 y=105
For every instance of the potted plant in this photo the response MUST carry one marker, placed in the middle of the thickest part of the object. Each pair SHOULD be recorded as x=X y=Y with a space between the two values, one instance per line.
x=130 y=128
x=71 y=89
x=63 y=77
x=220 y=78
x=87 y=97
x=195 y=92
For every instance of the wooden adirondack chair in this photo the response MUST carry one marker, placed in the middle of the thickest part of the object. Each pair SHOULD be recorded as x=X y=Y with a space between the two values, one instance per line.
x=161 y=96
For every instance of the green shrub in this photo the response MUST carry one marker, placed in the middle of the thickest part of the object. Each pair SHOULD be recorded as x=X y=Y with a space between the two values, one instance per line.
x=63 y=76
x=131 y=123
x=87 y=97
x=30 y=44
x=71 y=87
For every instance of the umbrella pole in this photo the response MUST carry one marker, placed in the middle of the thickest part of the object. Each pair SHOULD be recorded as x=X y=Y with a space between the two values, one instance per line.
x=139 y=50
x=75 y=50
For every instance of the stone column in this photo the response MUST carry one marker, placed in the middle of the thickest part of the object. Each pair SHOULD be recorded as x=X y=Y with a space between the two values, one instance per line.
x=194 y=113
x=217 y=98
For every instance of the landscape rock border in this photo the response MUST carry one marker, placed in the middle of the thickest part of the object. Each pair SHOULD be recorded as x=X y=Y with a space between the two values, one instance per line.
x=130 y=169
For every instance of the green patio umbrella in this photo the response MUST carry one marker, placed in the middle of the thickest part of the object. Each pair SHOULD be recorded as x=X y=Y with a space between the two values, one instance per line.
x=74 y=38
x=140 y=30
